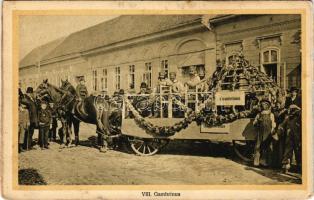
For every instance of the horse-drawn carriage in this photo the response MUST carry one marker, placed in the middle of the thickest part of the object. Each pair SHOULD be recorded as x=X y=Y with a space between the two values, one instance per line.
x=223 y=112
x=220 y=109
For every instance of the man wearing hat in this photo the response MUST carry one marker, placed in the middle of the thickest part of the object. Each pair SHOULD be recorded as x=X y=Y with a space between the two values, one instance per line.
x=293 y=140
x=265 y=125
x=81 y=89
x=33 y=118
x=293 y=99
x=140 y=102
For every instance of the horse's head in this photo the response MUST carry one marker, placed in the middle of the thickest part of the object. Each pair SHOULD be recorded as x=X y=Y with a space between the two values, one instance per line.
x=47 y=91
x=64 y=83
x=42 y=90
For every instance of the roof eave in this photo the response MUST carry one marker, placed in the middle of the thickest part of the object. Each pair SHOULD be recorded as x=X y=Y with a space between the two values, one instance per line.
x=27 y=66
x=147 y=38
x=221 y=18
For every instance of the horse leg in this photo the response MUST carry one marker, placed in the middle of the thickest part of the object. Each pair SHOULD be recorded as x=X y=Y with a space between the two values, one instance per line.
x=101 y=142
x=69 y=129
x=62 y=133
x=76 y=125
x=69 y=133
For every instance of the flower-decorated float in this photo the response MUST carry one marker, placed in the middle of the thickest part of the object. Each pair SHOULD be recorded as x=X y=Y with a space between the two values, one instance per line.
x=220 y=108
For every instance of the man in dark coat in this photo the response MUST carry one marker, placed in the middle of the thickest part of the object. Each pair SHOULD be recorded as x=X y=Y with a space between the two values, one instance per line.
x=141 y=102
x=30 y=101
x=294 y=98
x=293 y=140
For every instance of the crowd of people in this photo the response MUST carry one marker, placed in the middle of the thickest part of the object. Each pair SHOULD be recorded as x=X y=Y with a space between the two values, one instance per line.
x=35 y=114
x=279 y=133
x=41 y=115
x=278 y=127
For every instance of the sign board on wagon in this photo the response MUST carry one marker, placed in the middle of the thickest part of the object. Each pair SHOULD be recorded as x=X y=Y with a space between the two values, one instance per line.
x=230 y=98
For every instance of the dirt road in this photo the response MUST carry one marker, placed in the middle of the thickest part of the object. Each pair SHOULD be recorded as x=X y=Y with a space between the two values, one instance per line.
x=179 y=163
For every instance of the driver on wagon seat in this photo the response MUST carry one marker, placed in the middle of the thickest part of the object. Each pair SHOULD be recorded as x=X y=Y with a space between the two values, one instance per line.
x=81 y=89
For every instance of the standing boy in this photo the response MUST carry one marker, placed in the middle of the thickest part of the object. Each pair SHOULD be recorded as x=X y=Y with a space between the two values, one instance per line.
x=44 y=117
x=265 y=124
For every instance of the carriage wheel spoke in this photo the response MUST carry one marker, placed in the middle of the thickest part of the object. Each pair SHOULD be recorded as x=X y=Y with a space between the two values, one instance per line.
x=148 y=148
x=139 y=147
x=153 y=147
x=144 y=149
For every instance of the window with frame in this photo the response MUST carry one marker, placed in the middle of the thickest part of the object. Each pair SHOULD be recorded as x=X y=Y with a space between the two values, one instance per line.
x=132 y=77
x=270 y=63
x=165 y=67
x=104 y=79
x=147 y=77
x=117 y=78
x=270 y=56
x=95 y=80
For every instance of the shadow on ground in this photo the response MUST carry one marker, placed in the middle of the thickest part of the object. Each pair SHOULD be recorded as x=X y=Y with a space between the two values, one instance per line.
x=30 y=177
x=176 y=147
x=277 y=175
x=198 y=148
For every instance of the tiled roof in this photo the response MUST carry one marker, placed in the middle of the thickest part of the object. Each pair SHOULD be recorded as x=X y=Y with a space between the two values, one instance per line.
x=110 y=32
x=39 y=53
x=119 y=29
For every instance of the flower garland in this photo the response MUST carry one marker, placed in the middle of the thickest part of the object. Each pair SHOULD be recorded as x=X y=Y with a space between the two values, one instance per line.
x=157 y=130
x=210 y=119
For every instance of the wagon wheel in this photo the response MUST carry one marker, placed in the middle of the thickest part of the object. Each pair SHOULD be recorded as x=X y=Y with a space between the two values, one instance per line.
x=146 y=147
x=244 y=149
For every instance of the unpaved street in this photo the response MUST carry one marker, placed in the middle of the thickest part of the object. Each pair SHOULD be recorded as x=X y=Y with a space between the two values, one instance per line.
x=179 y=163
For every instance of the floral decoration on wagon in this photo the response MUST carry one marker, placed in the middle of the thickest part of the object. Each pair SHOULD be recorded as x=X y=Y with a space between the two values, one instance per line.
x=238 y=75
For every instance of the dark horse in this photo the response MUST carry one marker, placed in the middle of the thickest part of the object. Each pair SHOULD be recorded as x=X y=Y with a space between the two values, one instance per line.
x=71 y=111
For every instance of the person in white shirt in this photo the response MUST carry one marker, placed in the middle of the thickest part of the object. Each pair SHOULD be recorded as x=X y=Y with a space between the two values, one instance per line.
x=194 y=78
x=176 y=86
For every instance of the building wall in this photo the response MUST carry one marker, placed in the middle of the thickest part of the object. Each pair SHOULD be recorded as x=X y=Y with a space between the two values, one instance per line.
x=28 y=77
x=251 y=34
x=178 y=51
x=258 y=33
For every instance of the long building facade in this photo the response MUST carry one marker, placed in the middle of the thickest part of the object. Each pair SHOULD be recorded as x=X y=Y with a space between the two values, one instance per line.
x=123 y=52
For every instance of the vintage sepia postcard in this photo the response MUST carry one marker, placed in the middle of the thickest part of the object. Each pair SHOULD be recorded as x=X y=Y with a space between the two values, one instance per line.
x=157 y=100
